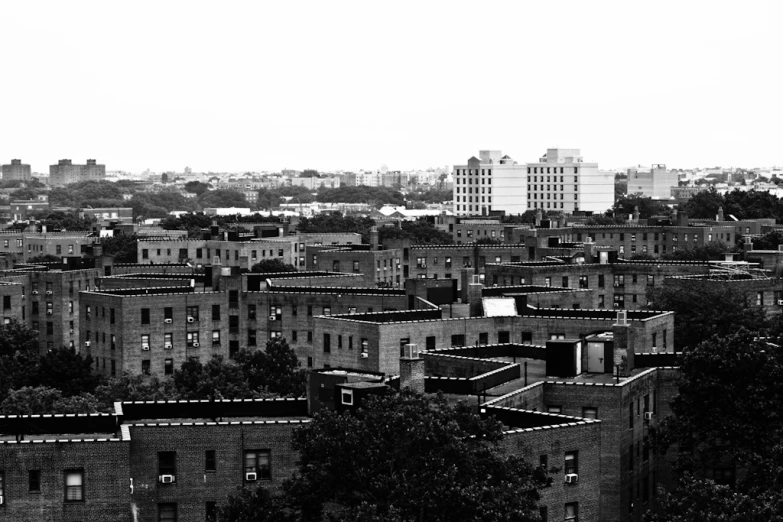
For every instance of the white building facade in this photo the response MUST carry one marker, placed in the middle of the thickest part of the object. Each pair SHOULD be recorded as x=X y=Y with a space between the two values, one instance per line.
x=491 y=182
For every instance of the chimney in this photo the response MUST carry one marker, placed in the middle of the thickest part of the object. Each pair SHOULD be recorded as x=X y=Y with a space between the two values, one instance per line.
x=675 y=221
x=374 y=238
x=214 y=230
x=474 y=296
x=412 y=369
x=43 y=229
x=539 y=216
x=636 y=213
x=720 y=214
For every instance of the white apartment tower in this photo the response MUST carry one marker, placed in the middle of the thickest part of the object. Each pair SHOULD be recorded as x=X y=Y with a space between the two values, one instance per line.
x=562 y=181
x=656 y=184
x=489 y=182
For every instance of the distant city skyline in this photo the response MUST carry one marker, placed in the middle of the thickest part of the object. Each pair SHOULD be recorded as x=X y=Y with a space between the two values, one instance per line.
x=265 y=86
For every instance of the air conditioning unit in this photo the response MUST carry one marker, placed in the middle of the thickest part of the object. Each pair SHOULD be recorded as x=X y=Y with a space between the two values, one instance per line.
x=168 y=321
x=365 y=355
x=48 y=292
x=2 y=500
x=145 y=347
x=34 y=292
x=272 y=317
x=87 y=343
x=70 y=331
x=196 y=345
x=167 y=346
x=23 y=296
x=166 y=479
x=571 y=478
x=616 y=285
x=649 y=415
x=780 y=301
x=49 y=312
x=191 y=319
x=251 y=476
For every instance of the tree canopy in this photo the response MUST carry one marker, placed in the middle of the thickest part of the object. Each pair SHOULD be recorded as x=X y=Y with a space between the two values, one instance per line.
x=336 y=222
x=269 y=266
x=402 y=457
x=420 y=232
x=647 y=206
x=742 y=204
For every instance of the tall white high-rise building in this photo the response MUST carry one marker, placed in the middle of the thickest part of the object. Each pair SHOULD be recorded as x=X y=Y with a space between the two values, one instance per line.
x=656 y=184
x=491 y=182
x=562 y=181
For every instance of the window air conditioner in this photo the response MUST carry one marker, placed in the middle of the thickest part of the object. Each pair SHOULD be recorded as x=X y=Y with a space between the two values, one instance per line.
x=649 y=415
x=272 y=317
x=167 y=321
x=145 y=347
x=70 y=331
x=167 y=346
x=34 y=292
x=251 y=476
x=571 y=478
x=191 y=319
x=166 y=479
x=48 y=292
x=87 y=343
x=23 y=296
x=365 y=355
x=49 y=312
x=780 y=301
x=196 y=345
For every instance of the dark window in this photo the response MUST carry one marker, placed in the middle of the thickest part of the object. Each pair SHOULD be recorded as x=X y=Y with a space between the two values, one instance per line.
x=483 y=338
x=309 y=310
x=168 y=367
x=571 y=462
x=251 y=311
x=145 y=316
x=111 y=315
x=168 y=312
x=310 y=336
x=6 y=302
x=233 y=298
x=210 y=463
x=630 y=415
x=327 y=343
x=527 y=337
x=211 y=511
x=34 y=481
x=251 y=338
x=216 y=312
x=430 y=342
x=74 y=485
x=258 y=462
x=167 y=463
x=167 y=512
x=572 y=512
x=458 y=340
x=293 y=336
x=145 y=367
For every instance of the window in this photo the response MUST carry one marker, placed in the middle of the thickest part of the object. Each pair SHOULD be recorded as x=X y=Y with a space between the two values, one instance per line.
x=310 y=336
x=168 y=312
x=216 y=312
x=215 y=337
x=571 y=462
x=589 y=412
x=251 y=311
x=583 y=282
x=257 y=461
x=211 y=511
x=252 y=338
x=565 y=282
x=327 y=310
x=293 y=336
x=34 y=481
x=192 y=339
x=210 y=463
x=74 y=486
x=145 y=316
x=355 y=267
x=630 y=415
x=192 y=313
x=168 y=366
x=554 y=409
x=547 y=281
x=167 y=464
x=167 y=512
x=327 y=343
x=483 y=338
x=572 y=512
x=309 y=310
x=145 y=367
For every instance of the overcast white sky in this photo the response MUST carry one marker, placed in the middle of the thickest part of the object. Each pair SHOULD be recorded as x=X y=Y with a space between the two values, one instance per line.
x=228 y=86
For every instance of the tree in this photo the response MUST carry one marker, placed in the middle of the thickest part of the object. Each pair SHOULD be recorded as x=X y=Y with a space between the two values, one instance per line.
x=647 y=207
x=336 y=222
x=222 y=199
x=129 y=387
x=44 y=399
x=714 y=250
x=276 y=369
x=742 y=429
x=269 y=266
x=704 y=204
x=702 y=310
x=68 y=371
x=215 y=379
x=45 y=258
x=256 y=505
x=122 y=247
x=769 y=241
x=419 y=457
x=196 y=187
x=419 y=232
x=309 y=173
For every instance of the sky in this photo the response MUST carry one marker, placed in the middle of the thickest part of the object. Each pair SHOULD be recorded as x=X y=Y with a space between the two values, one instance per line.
x=266 y=85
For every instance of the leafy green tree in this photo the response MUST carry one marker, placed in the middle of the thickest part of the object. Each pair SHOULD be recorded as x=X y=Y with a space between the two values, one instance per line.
x=129 y=387
x=419 y=232
x=269 y=266
x=702 y=310
x=769 y=241
x=309 y=173
x=256 y=505
x=376 y=196
x=704 y=204
x=215 y=379
x=66 y=221
x=222 y=199
x=714 y=250
x=419 y=457
x=196 y=187
x=44 y=399
x=647 y=206
x=752 y=204
x=122 y=247
x=705 y=501
x=68 y=371
x=337 y=222
x=601 y=219
x=275 y=369
x=45 y=258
